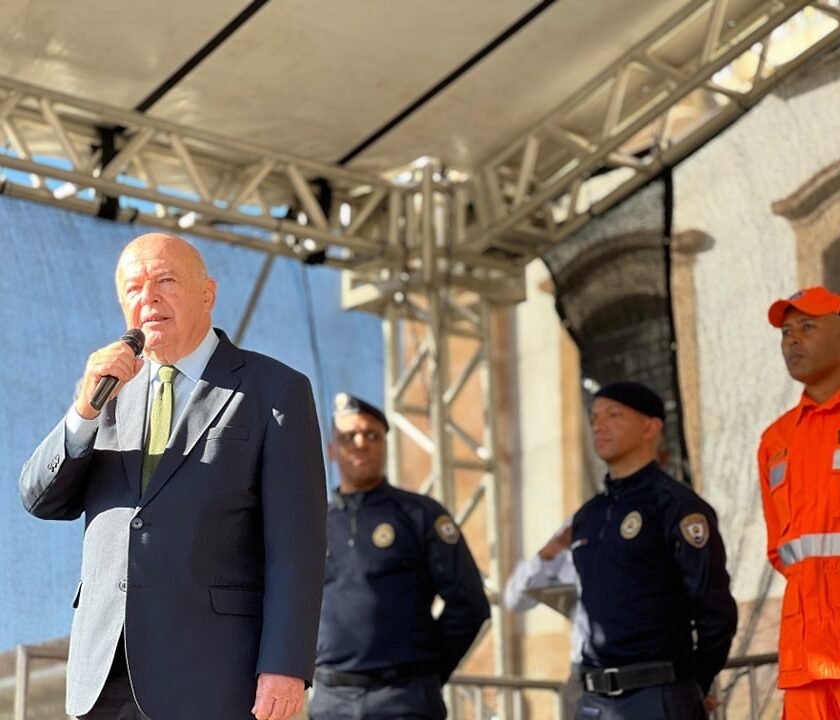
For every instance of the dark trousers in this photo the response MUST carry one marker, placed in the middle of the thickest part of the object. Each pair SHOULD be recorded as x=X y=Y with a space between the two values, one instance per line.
x=416 y=699
x=116 y=701
x=681 y=700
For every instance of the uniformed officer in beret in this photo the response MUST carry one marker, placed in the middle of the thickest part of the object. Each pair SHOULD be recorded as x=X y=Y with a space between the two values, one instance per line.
x=653 y=576
x=380 y=651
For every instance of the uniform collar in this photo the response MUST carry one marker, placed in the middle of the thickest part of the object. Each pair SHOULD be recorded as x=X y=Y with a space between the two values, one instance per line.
x=342 y=501
x=808 y=404
x=615 y=488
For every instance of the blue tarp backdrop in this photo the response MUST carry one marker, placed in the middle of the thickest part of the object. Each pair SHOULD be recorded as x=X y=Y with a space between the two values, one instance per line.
x=59 y=304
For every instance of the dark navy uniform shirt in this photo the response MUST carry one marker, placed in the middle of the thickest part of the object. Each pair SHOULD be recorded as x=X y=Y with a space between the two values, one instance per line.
x=654 y=585
x=389 y=553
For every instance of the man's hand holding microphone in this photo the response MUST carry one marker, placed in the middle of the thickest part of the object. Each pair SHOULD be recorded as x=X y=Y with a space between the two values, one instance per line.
x=107 y=370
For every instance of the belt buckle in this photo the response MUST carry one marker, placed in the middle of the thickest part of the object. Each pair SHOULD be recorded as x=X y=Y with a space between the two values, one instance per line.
x=613 y=673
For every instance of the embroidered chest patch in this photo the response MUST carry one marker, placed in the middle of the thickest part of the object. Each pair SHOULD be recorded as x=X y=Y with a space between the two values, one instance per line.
x=631 y=525
x=383 y=535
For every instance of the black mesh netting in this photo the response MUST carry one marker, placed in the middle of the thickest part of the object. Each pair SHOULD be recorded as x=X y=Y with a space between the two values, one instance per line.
x=613 y=297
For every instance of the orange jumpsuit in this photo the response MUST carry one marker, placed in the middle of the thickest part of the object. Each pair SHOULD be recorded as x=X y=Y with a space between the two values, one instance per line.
x=799 y=466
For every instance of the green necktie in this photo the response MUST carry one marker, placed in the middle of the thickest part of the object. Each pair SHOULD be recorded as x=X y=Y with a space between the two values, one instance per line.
x=160 y=423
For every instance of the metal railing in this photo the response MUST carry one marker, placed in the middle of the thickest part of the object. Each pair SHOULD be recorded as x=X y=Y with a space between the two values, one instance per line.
x=741 y=667
x=483 y=697
x=25 y=654
x=476 y=695
x=486 y=697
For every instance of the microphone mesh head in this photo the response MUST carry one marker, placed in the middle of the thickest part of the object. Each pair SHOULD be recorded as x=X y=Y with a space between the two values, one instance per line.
x=135 y=339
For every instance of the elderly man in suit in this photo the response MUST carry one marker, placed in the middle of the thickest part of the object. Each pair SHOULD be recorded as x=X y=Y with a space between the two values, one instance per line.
x=202 y=485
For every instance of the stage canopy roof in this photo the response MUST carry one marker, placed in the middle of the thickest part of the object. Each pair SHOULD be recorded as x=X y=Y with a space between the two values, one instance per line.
x=297 y=119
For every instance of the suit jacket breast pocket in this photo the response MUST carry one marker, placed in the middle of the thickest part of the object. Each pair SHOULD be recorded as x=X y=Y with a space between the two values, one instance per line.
x=222 y=443
x=227 y=432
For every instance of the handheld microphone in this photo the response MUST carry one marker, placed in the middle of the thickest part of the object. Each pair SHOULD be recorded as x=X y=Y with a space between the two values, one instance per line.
x=135 y=339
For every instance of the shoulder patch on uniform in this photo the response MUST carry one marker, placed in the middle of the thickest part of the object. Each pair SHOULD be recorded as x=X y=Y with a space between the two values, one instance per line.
x=695 y=529
x=447 y=530
x=631 y=525
x=383 y=535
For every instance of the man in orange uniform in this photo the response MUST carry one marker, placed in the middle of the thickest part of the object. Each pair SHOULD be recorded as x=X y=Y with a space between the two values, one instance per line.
x=799 y=465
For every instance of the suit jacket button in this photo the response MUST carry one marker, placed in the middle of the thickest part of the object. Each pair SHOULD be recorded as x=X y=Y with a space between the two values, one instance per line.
x=123 y=585
x=137 y=523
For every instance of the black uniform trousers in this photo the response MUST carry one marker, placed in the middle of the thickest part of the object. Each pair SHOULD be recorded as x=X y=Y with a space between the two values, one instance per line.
x=682 y=700
x=414 y=699
x=116 y=701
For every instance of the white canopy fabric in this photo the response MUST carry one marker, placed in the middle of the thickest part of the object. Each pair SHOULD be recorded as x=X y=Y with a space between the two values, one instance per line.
x=317 y=78
x=276 y=113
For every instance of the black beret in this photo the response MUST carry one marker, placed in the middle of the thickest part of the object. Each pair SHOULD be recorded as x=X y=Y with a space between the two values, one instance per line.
x=347 y=404
x=634 y=395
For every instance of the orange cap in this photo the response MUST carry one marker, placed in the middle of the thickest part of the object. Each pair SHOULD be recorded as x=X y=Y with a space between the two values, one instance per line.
x=811 y=301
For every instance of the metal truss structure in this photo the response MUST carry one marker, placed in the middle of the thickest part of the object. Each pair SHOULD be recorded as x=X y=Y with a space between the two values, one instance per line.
x=665 y=98
x=126 y=166
x=438 y=373
x=631 y=120
x=432 y=255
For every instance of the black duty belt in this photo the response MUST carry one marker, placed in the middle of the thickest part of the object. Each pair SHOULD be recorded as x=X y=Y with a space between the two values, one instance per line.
x=372 y=678
x=616 y=680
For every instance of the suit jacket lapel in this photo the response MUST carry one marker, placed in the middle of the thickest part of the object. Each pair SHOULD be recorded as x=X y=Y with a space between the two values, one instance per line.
x=131 y=423
x=211 y=394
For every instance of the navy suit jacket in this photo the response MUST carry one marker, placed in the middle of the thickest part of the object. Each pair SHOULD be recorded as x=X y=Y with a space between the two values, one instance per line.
x=215 y=573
